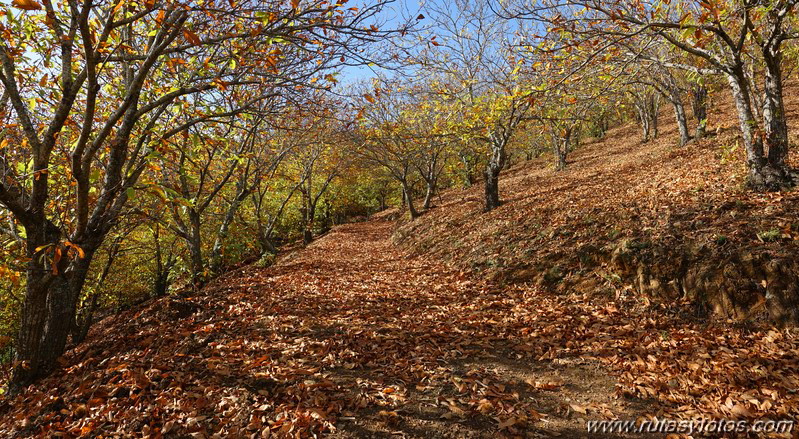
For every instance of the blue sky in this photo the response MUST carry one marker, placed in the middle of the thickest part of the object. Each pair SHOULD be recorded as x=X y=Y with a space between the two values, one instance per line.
x=393 y=16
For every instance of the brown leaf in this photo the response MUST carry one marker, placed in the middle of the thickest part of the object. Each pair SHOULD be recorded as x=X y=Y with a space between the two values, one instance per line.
x=191 y=37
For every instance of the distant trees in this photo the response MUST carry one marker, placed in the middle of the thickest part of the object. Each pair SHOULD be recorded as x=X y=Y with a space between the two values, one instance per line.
x=387 y=137
x=471 y=61
x=318 y=158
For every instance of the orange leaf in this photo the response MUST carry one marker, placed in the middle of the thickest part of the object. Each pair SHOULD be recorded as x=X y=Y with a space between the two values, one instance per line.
x=295 y=4
x=27 y=5
x=56 y=260
x=369 y=98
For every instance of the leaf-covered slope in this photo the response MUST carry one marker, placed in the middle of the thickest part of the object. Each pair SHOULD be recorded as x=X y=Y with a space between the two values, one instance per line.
x=351 y=337
x=346 y=336
x=651 y=217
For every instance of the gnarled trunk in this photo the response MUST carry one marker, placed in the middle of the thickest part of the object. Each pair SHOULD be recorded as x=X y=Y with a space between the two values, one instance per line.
x=407 y=196
x=682 y=120
x=699 y=107
x=48 y=312
x=763 y=174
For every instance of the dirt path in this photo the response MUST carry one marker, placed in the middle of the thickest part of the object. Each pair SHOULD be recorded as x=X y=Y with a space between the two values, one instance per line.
x=348 y=337
x=417 y=350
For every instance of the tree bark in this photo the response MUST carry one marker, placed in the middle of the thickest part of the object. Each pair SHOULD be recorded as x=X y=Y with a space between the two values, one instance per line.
x=492 y=200
x=194 y=242
x=428 y=196
x=762 y=175
x=48 y=312
x=699 y=107
x=774 y=120
x=493 y=168
x=224 y=228
x=647 y=107
x=682 y=120
x=308 y=215
x=163 y=267
x=407 y=195
x=562 y=139
x=654 y=106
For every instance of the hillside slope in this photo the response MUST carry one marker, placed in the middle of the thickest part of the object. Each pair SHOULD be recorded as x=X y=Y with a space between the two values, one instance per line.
x=670 y=222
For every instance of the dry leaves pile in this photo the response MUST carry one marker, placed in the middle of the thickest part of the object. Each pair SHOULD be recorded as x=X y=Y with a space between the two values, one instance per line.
x=351 y=337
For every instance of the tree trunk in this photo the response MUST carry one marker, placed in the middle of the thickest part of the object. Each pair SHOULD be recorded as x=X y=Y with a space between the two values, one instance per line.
x=654 y=106
x=682 y=121
x=494 y=166
x=381 y=198
x=266 y=245
x=162 y=267
x=644 y=119
x=775 y=124
x=224 y=228
x=48 y=312
x=762 y=176
x=408 y=197
x=160 y=283
x=562 y=142
x=468 y=168
x=699 y=107
x=195 y=250
x=561 y=149
x=430 y=192
x=32 y=353
x=84 y=324
x=308 y=214
x=492 y=200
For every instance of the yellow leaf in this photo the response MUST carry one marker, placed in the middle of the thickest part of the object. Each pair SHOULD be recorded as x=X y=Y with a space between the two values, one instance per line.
x=485 y=406
x=578 y=408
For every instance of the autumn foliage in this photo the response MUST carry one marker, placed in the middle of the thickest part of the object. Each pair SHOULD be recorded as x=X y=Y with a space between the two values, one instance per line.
x=453 y=219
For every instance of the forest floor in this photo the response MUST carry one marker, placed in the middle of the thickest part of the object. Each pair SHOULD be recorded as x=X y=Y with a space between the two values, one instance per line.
x=352 y=337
